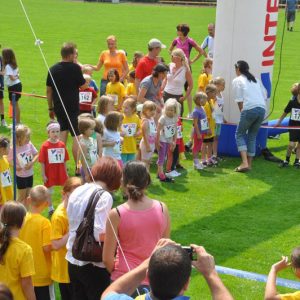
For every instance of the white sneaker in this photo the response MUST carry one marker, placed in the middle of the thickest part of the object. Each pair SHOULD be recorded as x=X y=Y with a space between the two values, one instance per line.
x=176 y=174
x=3 y=123
x=172 y=174
x=199 y=166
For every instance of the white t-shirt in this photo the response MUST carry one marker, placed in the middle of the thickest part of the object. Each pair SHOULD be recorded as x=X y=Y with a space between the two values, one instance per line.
x=175 y=80
x=209 y=44
x=251 y=93
x=169 y=128
x=101 y=118
x=218 y=110
x=9 y=71
x=116 y=150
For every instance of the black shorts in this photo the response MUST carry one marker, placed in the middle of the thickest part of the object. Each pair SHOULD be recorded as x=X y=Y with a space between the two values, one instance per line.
x=15 y=88
x=65 y=124
x=210 y=140
x=294 y=135
x=1 y=87
x=291 y=16
x=24 y=182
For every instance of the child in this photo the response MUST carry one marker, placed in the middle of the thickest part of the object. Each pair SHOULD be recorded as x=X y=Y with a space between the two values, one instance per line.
x=130 y=130
x=147 y=145
x=208 y=139
x=6 y=188
x=27 y=155
x=88 y=145
x=105 y=105
x=271 y=292
x=200 y=127
x=87 y=96
x=59 y=237
x=88 y=70
x=131 y=88
x=3 y=122
x=12 y=78
x=36 y=232
x=293 y=107
x=16 y=259
x=166 y=135
x=112 y=140
x=219 y=82
x=53 y=156
x=205 y=76
x=115 y=88
x=136 y=58
x=295 y=90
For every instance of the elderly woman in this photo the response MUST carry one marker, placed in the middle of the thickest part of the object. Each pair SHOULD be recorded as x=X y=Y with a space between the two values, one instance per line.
x=111 y=59
x=250 y=97
x=90 y=279
x=178 y=75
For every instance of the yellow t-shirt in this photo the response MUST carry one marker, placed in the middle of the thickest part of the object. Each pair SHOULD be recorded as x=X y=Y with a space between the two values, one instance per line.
x=203 y=81
x=36 y=232
x=130 y=126
x=211 y=121
x=18 y=263
x=59 y=227
x=131 y=89
x=6 y=184
x=117 y=89
x=290 y=296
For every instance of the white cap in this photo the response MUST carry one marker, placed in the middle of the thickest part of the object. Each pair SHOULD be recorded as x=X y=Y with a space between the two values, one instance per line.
x=155 y=43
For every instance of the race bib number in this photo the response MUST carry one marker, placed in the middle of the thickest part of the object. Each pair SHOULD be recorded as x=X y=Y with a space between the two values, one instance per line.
x=85 y=97
x=24 y=158
x=152 y=128
x=169 y=131
x=204 y=124
x=93 y=155
x=117 y=147
x=114 y=97
x=56 y=155
x=179 y=131
x=129 y=129
x=6 y=179
x=295 y=114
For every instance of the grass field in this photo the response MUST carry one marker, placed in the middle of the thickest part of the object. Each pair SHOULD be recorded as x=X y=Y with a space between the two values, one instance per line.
x=247 y=221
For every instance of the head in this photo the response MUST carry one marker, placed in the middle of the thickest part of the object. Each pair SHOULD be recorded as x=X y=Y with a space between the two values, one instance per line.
x=179 y=56
x=211 y=91
x=113 y=75
x=12 y=217
x=207 y=65
x=169 y=272
x=39 y=196
x=295 y=89
x=86 y=126
x=160 y=71
x=99 y=127
x=87 y=70
x=136 y=179
x=5 y=293
x=9 y=58
x=88 y=79
x=171 y=108
x=149 y=109
x=183 y=30
x=295 y=261
x=108 y=171
x=68 y=51
x=105 y=105
x=129 y=106
x=53 y=129
x=111 y=42
x=136 y=57
x=211 y=29
x=70 y=185
x=131 y=76
x=242 y=68
x=22 y=134
x=200 y=99
x=219 y=82
x=113 y=120
x=155 y=46
x=4 y=145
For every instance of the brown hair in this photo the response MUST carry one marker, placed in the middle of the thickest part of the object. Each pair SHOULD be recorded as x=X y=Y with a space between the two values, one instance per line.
x=113 y=72
x=113 y=120
x=5 y=293
x=12 y=216
x=148 y=105
x=211 y=88
x=38 y=195
x=295 y=258
x=85 y=123
x=4 y=142
x=71 y=184
x=199 y=97
x=9 y=58
x=103 y=103
x=67 y=49
x=136 y=56
x=184 y=28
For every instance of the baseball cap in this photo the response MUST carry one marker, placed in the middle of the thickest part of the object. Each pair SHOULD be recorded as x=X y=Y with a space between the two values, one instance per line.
x=155 y=43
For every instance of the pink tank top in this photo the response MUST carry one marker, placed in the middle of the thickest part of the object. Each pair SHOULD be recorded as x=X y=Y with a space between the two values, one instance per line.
x=138 y=232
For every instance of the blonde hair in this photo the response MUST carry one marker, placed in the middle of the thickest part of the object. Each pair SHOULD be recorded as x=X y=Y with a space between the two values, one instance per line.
x=71 y=184
x=21 y=132
x=211 y=88
x=148 y=106
x=87 y=78
x=103 y=103
x=131 y=102
x=111 y=37
x=86 y=69
x=172 y=103
x=218 y=81
x=85 y=123
x=38 y=195
x=179 y=53
x=199 y=97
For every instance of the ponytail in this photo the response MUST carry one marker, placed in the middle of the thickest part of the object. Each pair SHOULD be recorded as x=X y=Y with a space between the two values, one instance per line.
x=4 y=240
x=244 y=70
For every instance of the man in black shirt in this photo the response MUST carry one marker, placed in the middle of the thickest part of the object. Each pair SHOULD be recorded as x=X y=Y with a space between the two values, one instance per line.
x=63 y=94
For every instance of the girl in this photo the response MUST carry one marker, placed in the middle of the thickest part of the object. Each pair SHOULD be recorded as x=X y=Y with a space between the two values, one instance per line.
x=200 y=127
x=115 y=88
x=147 y=145
x=131 y=88
x=136 y=58
x=205 y=76
x=16 y=267
x=53 y=156
x=6 y=188
x=166 y=135
x=12 y=78
x=59 y=238
x=105 y=105
x=130 y=130
x=27 y=155
x=112 y=140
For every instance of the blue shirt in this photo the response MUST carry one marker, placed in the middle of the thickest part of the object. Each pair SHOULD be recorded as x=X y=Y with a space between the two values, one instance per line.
x=199 y=113
x=291 y=5
x=115 y=296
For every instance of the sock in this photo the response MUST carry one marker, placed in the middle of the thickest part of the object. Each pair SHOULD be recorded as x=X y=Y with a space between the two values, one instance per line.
x=288 y=158
x=2 y=117
x=196 y=161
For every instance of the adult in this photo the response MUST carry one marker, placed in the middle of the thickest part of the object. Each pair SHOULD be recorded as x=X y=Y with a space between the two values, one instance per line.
x=148 y=62
x=178 y=75
x=62 y=93
x=112 y=58
x=250 y=97
x=169 y=270
x=291 y=7
x=208 y=42
x=139 y=224
x=90 y=279
x=3 y=122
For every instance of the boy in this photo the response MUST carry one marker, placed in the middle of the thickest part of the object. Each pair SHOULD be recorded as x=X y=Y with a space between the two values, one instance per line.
x=87 y=96
x=36 y=232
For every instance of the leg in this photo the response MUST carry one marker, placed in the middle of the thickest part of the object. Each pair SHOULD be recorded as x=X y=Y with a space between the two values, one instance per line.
x=65 y=291
x=64 y=136
x=175 y=160
x=22 y=195
x=75 y=148
x=42 y=293
x=77 y=286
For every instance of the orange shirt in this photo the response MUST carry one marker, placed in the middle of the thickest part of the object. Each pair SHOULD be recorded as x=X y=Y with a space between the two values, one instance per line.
x=112 y=61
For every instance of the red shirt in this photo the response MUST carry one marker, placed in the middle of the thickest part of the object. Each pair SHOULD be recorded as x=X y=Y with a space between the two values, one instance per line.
x=145 y=67
x=86 y=98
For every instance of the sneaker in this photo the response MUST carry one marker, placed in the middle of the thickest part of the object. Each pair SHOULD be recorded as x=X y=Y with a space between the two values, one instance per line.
x=199 y=166
x=172 y=174
x=214 y=160
x=285 y=163
x=3 y=123
x=50 y=213
x=204 y=164
x=164 y=178
x=297 y=165
x=188 y=146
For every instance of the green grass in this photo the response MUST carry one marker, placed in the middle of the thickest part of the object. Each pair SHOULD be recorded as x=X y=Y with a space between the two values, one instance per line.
x=247 y=221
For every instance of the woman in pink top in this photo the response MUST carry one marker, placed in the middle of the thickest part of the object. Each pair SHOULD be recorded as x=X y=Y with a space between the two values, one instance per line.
x=139 y=223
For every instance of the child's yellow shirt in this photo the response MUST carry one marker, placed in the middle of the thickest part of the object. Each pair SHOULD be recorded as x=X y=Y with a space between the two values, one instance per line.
x=203 y=81
x=130 y=126
x=208 y=107
x=131 y=89
x=6 y=184
x=118 y=90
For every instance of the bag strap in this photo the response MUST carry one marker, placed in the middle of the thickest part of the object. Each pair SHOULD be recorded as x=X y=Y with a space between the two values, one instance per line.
x=90 y=209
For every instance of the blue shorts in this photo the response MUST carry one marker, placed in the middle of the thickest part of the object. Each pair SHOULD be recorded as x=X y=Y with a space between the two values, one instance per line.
x=127 y=157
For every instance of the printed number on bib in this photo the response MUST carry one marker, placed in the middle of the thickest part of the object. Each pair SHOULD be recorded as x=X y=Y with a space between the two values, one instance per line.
x=85 y=97
x=93 y=155
x=117 y=147
x=6 y=178
x=152 y=128
x=24 y=158
x=114 y=97
x=179 y=132
x=169 y=131
x=56 y=155
x=295 y=114
x=204 y=124
x=129 y=129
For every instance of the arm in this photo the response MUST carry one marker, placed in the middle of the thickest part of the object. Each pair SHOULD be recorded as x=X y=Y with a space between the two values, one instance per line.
x=145 y=127
x=171 y=48
x=125 y=70
x=167 y=231
x=141 y=95
x=200 y=52
x=27 y=288
x=196 y=127
x=159 y=128
x=84 y=165
x=60 y=243
x=47 y=248
x=240 y=105
x=45 y=179
x=281 y=118
x=98 y=66
x=49 y=93
x=30 y=164
x=189 y=80
x=99 y=145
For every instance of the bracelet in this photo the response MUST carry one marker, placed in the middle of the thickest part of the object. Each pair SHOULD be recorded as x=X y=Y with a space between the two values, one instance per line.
x=51 y=109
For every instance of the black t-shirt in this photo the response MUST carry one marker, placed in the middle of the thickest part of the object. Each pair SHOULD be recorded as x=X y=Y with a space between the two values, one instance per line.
x=293 y=107
x=68 y=78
